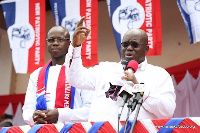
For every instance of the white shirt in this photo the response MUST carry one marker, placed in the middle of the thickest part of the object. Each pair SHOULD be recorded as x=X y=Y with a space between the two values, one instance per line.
x=82 y=99
x=158 y=99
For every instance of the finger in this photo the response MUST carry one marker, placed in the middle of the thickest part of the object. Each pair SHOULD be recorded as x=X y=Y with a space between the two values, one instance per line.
x=40 y=115
x=87 y=32
x=43 y=115
x=45 y=111
x=126 y=72
x=82 y=28
x=37 y=117
x=84 y=33
x=124 y=77
x=80 y=32
x=37 y=112
x=36 y=122
x=80 y=23
x=40 y=121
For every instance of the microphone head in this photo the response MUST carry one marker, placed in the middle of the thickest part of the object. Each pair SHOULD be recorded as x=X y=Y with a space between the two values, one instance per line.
x=125 y=62
x=126 y=89
x=132 y=64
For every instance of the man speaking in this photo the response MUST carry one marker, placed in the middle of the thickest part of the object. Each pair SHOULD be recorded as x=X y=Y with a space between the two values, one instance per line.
x=159 y=96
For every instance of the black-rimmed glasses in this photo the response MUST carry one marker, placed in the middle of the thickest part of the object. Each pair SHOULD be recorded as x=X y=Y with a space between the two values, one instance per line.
x=59 y=40
x=133 y=44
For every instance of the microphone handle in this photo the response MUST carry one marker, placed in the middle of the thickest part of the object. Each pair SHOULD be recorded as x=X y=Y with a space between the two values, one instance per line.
x=140 y=101
x=135 y=101
x=125 y=98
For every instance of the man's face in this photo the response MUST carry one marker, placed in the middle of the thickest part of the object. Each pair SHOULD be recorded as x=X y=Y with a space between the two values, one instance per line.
x=134 y=46
x=58 y=43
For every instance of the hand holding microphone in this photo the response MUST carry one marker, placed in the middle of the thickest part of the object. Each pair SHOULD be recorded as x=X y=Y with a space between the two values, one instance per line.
x=125 y=91
x=130 y=77
x=130 y=69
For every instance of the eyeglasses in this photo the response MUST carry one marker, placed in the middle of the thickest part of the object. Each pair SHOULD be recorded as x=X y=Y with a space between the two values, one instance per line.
x=133 y=44
x=59 y=40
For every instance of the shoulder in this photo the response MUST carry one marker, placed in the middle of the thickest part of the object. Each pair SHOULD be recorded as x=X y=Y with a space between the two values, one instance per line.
x=35 y=73
x=156 y=69
x=107 y=63
x=106 y=66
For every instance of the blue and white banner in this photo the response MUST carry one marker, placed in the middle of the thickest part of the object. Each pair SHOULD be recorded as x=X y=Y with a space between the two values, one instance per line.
x=25 y=21
x=190 y=11
x=67 y=13
x=143 y=14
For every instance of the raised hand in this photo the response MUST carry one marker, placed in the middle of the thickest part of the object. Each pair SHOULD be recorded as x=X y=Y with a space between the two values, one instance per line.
x=80 y=34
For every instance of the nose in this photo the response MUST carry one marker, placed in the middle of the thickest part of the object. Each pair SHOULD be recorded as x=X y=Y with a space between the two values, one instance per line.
x=55 y=42
x=130 y=47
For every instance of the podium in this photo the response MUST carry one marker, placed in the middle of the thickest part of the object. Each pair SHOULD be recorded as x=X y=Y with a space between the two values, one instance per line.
x=175 y=125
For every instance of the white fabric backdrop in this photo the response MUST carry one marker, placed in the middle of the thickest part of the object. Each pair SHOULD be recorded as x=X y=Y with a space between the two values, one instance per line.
x=187 y=96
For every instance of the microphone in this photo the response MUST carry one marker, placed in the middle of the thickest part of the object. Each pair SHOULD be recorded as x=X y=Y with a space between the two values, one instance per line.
x=132 y=66
x=125 y=93
x=125 y=62
x=126 y=90
x=138 y=90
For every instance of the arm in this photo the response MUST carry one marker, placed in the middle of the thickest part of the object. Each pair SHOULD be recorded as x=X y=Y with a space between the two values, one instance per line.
x=161 y=100
x=30 y=114
x=80 y=113
x=78 y=76
x=30 y=99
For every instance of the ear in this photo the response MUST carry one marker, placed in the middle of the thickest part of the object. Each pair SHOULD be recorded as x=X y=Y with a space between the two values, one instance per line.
x=147 y=49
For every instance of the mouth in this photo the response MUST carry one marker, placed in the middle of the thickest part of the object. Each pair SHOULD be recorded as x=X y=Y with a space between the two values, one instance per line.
x=128 y=55
x=55 y=49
